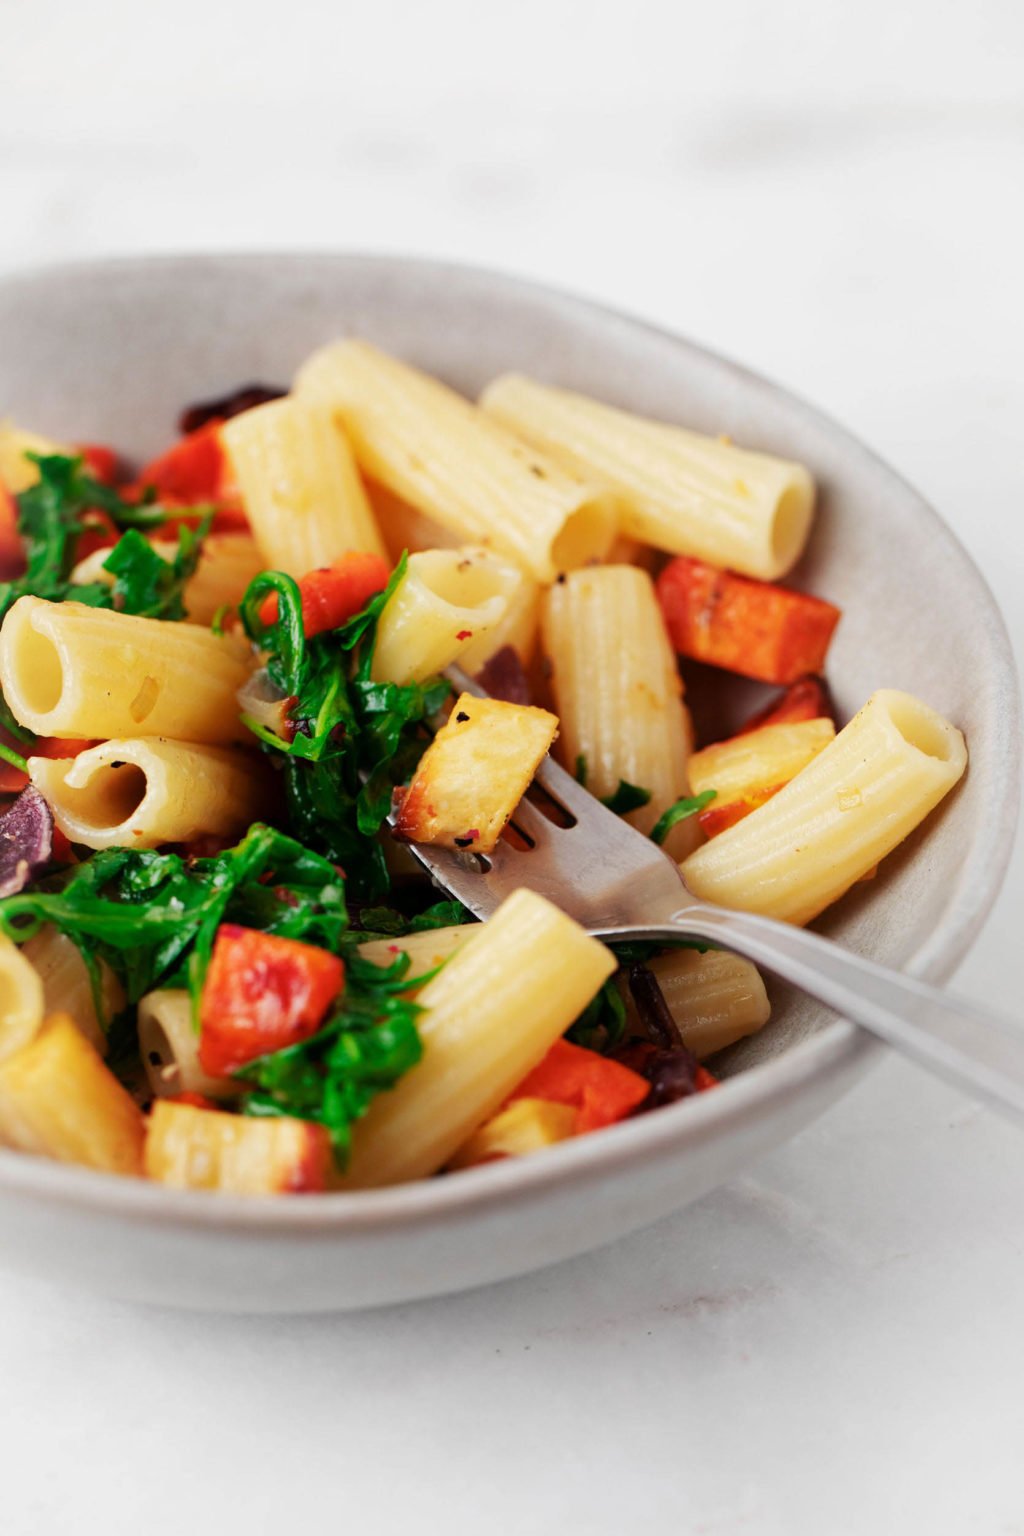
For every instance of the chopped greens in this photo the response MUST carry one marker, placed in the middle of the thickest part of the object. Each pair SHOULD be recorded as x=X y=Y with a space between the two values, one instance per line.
x=628 y=797
x=144 y=582
x=689 y=805
x=153 y=917
x=351 y=739
x=368 y=1043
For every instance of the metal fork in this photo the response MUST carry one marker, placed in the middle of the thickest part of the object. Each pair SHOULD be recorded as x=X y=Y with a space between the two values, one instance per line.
x=620 y=886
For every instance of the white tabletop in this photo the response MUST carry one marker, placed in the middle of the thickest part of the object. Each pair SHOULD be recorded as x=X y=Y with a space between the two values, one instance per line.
x=833 y=1343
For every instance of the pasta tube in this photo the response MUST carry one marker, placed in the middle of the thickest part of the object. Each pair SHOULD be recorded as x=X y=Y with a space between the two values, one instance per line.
x=193 y=1148
x=67 y=986
x=715 y=998
x=140 y=793
x=21 y=998
x=70 y=670
x=489 y=1017
x=169 y=1048
x=426 y=950
x=680 y=491
x=58 y=1099
x=474 y=773
x=853 y=804
x=447 y=599
x=405 y=528
x=617 y=690
x=300 y=486
x=441 y=455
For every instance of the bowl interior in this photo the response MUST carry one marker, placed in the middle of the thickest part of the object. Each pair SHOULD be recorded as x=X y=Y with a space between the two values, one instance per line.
x=112 y=352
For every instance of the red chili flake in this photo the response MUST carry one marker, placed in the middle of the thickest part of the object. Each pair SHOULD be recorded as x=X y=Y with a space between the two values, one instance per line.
x=464 y=634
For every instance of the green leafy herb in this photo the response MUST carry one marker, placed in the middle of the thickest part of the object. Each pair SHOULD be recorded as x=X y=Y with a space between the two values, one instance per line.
x=365 y=1046
x=581 y=770
x=353 y=739
x=147 y=584
x=153 y=917
x=602 y=1024
x=689 y=805
x=628 y=797
x=388 y=923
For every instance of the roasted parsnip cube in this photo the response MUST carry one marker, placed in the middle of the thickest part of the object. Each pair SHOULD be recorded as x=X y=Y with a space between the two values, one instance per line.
x=193 y=1148
x=57 y=1098
x=749 y=769
x=528 y=1125
x=474 y=773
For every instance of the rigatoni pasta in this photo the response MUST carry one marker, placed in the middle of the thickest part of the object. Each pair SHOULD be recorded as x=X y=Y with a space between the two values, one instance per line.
x=299 y=486
x=447 y=600
x=440 y=454
x=68 y=987
x=169 y=1048
x=148 y=791
x=854 y=803
x=21 y=998
x=678 y=490
x=488 y=1018
x=71 y=670
x=617 y=691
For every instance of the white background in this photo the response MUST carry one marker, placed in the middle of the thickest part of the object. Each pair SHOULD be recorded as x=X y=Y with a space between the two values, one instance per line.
x=832 y=193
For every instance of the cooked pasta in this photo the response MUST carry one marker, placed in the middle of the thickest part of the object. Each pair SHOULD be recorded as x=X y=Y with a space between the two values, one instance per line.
x=714 y=998
x=169 y=1048
x=426 y=950
x=67 y=985
x=227 y=564
x=853 y=804
x=447 y=600
x=679 y=491
x=144 y=792
x=299 y=485
x=404 y=527
x=617 y=690
x=70 y=670
x=488 y=1018
x=434 y=449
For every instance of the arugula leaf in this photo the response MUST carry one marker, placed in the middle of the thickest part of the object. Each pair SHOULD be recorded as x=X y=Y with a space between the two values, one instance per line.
x=365 y=1046
x=628 y=797
x=689 y=805
x=581 y=770
x=353 y=739
x=147 y=584
x=153 y=917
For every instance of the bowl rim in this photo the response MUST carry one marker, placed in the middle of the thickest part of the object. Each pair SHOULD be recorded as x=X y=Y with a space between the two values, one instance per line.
x=838 y=1049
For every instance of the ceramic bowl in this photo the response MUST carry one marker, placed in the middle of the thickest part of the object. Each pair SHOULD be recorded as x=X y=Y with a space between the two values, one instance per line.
x=111 y=351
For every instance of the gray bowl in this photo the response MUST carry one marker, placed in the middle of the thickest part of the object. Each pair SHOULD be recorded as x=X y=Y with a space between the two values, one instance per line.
x=111 y=351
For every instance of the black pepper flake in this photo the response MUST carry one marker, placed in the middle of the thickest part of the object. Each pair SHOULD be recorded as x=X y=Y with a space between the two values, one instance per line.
x=461 y=716
x=463 y=842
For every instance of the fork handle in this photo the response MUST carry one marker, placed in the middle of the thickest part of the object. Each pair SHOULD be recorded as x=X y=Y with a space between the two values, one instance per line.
x=972 y=1047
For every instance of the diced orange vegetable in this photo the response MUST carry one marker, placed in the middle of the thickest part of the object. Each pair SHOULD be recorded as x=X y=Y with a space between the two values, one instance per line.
x=809 y=698
x=13 y=781
x=193 y=469
x=262 y=993
x=705 y=1079
x=717 y=818
x=12 y=551
x=524 y=1126
x=100 y=461
x=191 y=1147
x=335 y=593
x=751 y=627
x=602 y=1090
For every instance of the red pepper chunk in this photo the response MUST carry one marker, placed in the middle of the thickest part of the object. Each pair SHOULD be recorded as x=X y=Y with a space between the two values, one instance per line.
x=193 y=469
x=261 y=994
x=602 y=1090
x=752 y=627
x=335 y=593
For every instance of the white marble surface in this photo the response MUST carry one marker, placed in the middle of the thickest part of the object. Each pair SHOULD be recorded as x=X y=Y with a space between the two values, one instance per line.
x=832 y=193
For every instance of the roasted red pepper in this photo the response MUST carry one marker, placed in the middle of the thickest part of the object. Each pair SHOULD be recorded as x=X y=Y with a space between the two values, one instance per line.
x=335 y=593
x=262 y=993
x=602 y=1090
